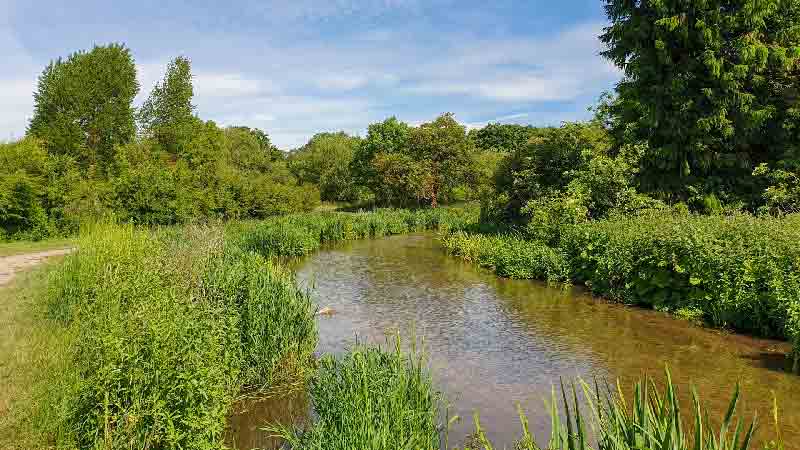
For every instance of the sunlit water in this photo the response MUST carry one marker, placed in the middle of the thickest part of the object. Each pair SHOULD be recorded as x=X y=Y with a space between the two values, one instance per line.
x=496 y=343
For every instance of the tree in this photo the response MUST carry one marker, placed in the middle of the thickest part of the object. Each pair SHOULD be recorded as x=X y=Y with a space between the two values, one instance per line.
x=712 y=86
x=443 y=148
x=168 y=113
x=83 y=105
x=251 y=149
x=503 y=137
x=325 y=161
x=387 y=137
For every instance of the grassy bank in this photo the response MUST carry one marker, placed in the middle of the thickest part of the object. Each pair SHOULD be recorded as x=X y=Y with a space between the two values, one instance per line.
x=301 y=234
x=157 y=333
x=153 y=334
x=740 y=272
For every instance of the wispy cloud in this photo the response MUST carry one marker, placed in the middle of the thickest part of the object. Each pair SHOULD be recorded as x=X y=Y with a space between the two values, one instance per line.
x=296 y=68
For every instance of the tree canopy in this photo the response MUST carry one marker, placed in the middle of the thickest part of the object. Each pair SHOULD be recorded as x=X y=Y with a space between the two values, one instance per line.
x=83 y=105
x=712 y=87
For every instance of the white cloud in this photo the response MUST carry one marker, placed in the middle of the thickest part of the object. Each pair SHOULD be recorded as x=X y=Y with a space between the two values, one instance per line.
x=209 y=85
x=341 y=82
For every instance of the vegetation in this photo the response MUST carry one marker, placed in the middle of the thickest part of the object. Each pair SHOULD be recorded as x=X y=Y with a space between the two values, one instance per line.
x=680 y=194
x=711 y=88
x=371 y=399
x=158 y=334
x=377 y=399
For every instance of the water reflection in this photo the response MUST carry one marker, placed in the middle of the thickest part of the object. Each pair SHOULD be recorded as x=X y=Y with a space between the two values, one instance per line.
x=494 y=343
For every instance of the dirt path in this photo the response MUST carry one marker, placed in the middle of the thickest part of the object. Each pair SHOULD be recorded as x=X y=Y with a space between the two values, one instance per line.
x=10 y=265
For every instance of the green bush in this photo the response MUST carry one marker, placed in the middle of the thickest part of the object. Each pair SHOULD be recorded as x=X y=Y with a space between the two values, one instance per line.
x=742 y=272
x=738 y=272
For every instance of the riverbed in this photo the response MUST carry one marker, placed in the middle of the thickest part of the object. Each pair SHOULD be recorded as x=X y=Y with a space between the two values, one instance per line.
x=495 y=343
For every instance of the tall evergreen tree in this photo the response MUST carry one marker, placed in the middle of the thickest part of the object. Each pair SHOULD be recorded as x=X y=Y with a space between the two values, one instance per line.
x=713 y=86
x=83 y=105
x=168 y=113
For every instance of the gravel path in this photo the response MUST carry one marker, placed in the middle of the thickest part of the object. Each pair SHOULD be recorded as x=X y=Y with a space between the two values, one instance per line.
x=10 y=265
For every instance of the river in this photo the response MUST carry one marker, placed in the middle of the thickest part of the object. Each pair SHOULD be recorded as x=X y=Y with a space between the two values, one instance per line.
x=495 y=343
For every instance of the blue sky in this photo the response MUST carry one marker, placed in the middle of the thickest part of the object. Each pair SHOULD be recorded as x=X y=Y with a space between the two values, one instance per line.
x=294 y=68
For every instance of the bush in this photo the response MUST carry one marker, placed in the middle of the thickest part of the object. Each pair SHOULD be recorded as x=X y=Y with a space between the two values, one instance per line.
x=742 y=272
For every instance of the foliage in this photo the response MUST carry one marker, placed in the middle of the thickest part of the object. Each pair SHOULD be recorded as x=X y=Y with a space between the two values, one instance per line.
x=782 y=194
x=371 y=399
x=82 y=105
x=444 y=152
x=566 y=175
x=386 y=138
x=404 y=166
x=741 y=271
x=509 y=256
x=168 y=114
x=160 y=332
x=506 y=138
x=711 y=86
x=325 y=161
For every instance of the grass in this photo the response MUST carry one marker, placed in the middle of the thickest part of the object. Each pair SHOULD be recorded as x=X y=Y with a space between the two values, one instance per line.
x=370 y=399
x=26 y=347
x=603 y=419
x=20 y=247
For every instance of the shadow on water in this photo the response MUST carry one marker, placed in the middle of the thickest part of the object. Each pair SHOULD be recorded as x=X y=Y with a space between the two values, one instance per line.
x=246 y=423
x=495 y=343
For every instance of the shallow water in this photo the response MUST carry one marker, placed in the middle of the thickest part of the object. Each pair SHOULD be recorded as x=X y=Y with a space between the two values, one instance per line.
x=495 y=343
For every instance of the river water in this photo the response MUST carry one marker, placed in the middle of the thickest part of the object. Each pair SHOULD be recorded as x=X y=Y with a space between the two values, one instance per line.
x=496 y=343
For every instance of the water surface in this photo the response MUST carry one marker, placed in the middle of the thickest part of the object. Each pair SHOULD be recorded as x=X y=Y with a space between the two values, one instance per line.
x=495 y=343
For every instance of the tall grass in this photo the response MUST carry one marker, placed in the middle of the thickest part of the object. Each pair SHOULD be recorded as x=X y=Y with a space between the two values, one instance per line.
x=370 y=399
x=301 y=234
x=603 y=419
x=163 y=331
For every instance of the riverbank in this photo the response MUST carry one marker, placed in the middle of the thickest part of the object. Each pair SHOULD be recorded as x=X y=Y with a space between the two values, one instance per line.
x=152 y=335
x=740 y=273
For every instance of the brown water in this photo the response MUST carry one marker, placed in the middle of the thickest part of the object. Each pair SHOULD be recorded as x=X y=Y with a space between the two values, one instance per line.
x=494 y=343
